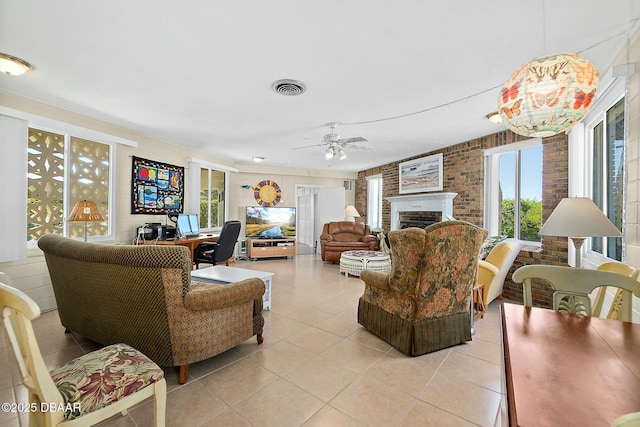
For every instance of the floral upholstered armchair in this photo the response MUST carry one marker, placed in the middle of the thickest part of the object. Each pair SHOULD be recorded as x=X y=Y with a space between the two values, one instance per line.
x=423 y=304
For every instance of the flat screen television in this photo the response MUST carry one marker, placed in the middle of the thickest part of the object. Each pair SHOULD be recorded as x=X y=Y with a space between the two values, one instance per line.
x=271 y=222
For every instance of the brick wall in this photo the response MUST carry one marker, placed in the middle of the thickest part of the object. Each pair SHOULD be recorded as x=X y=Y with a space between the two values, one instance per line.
x=464 y=174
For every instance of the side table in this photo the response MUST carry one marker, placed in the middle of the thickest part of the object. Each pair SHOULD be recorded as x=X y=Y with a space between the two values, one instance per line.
x=225 y=275
x=353 y=262
x=478 y=308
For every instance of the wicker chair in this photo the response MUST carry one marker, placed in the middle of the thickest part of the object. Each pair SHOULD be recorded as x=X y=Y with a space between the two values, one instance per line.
x=423 y=304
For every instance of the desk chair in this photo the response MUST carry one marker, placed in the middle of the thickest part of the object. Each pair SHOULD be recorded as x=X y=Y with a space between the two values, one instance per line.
x=90 y=388
x=221 y=250
x=572 y=287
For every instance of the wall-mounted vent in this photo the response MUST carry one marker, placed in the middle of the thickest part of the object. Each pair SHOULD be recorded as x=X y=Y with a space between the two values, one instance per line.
x=288 y=87
x=348 y=184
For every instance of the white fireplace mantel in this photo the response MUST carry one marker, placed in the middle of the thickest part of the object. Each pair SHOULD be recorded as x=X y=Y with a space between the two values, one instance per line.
x=432 y=202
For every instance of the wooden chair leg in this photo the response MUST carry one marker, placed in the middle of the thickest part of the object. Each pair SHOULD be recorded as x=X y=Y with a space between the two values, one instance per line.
x=183 y=376
x=160 y=403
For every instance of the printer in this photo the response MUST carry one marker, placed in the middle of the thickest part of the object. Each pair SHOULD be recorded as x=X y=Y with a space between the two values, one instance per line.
x=156 y=230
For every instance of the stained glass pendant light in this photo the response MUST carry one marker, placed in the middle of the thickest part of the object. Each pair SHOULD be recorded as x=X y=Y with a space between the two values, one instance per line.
x=548 y=95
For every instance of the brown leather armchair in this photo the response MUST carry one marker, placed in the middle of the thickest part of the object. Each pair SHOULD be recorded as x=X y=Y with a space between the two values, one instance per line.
x=341 y=236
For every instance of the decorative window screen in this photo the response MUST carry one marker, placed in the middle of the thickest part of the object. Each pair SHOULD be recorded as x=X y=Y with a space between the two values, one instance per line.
x=79 y=169
x=45 y=191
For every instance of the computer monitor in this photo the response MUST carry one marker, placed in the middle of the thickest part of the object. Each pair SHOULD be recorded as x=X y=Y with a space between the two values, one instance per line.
x=188 y=225
x=194 y=223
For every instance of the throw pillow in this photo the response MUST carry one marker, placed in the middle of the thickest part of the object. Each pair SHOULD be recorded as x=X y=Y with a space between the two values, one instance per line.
x=489 y=243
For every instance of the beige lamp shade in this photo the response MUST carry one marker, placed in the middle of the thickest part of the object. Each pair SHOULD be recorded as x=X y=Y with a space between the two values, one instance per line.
x=578 y=217
x=548 y=95
x=85 y=210
x=351 y=213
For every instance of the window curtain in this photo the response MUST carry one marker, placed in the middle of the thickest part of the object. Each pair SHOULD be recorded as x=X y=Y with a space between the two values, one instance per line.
x=14 y=134
x=192 y=188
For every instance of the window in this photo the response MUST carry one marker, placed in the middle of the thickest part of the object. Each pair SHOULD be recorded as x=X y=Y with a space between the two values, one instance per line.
x=606 y=135
x=62 y=170
x=212 y=198
x=207 y=186
x=374 y=201
x=513 y=188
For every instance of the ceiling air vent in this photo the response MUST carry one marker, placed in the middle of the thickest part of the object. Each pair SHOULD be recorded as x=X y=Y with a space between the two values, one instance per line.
x=288 y=87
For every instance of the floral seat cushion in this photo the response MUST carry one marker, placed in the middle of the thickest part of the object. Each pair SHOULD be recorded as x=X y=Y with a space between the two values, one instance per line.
x=99 y=378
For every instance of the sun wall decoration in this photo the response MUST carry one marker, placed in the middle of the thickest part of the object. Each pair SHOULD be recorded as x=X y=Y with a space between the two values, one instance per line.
x=267 y=193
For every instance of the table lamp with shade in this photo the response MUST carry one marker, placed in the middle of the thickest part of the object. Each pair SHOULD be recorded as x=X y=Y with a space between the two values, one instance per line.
x=85 y=210
x=351 y=213
x=578 y=218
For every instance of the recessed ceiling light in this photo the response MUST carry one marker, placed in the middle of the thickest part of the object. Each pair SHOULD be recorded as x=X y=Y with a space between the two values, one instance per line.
x=494 y=117
x=258 y=159
x=288 y=87
x=13 y=66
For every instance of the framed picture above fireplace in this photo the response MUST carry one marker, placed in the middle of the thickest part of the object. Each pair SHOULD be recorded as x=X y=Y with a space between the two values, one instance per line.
x=420 y=175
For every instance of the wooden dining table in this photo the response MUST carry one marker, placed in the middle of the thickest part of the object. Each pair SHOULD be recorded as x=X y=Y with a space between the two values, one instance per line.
x=565 y=369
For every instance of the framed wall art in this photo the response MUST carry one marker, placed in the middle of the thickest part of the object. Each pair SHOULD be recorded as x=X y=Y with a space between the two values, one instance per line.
x=420 y=175
x=156 y=188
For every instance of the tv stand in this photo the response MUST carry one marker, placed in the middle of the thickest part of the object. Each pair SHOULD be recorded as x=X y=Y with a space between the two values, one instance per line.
x=271 y=248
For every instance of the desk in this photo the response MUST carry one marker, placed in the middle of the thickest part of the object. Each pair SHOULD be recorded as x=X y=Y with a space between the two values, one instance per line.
x=189 y=242
x=568 y=370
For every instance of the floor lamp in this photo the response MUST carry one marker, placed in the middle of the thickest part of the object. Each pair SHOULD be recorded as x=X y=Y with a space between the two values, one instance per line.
x=85 y=210
x=578 y=218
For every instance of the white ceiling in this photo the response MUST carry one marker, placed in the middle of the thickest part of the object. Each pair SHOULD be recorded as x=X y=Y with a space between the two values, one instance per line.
x=410 y=76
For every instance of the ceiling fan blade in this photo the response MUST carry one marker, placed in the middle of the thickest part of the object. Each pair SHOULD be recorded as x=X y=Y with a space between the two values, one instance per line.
x=354 y=139
x=308 y=146
x=357 y=147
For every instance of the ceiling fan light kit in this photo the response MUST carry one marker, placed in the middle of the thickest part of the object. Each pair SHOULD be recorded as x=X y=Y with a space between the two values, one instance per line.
x=336 y=144
x=328 y=154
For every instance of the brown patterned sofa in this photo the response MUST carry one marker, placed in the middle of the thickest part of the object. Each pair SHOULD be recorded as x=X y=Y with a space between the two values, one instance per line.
x=143 y=296
x=341 y=236
x=423 y=304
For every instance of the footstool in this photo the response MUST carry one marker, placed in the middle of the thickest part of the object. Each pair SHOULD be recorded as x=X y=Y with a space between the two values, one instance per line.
x=353 y=262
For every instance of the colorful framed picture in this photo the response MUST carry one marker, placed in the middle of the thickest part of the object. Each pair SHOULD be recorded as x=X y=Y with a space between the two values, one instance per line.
x=156 y=188
x=420 y=175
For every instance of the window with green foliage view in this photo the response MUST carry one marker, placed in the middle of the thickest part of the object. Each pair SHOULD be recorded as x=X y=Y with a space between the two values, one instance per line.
x=513 y=187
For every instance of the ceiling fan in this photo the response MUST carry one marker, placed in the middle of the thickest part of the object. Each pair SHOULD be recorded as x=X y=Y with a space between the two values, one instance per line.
x=336 y=144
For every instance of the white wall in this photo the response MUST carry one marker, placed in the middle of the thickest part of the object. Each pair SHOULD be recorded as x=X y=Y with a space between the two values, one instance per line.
x=31 y=275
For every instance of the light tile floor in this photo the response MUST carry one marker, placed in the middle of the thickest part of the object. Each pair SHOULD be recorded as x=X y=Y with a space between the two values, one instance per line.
x=316 y=367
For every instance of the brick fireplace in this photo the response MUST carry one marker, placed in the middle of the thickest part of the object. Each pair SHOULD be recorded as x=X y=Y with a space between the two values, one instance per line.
x=419 y=210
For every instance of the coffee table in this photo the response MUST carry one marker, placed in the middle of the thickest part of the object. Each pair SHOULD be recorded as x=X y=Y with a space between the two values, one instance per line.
x=353 y=262
x=224 y=275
